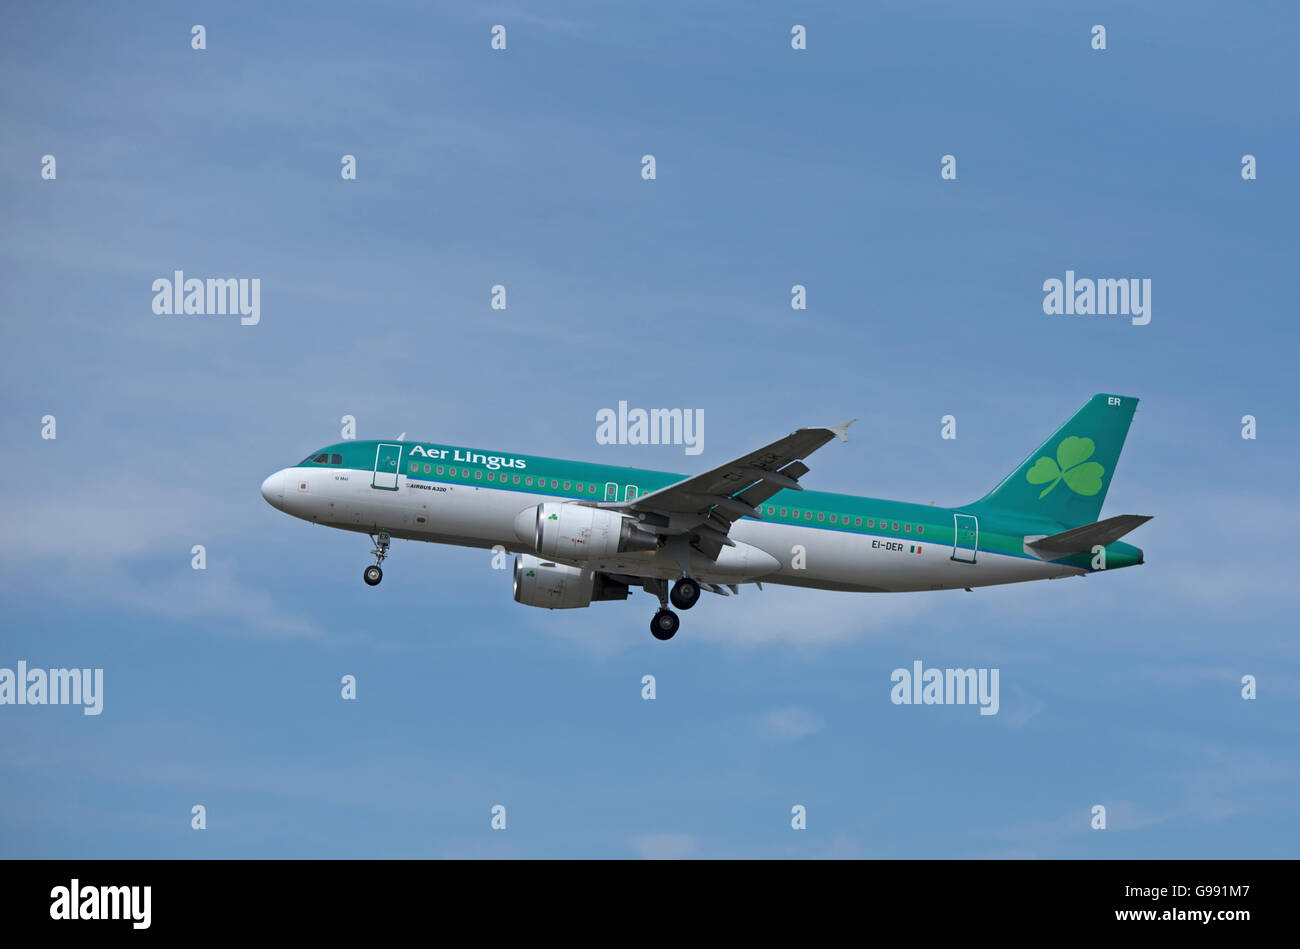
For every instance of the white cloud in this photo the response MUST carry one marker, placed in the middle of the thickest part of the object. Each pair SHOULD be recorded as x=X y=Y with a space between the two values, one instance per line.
x=224 y=602
x=1017 y=707
x=664 y=846
x=791 y=723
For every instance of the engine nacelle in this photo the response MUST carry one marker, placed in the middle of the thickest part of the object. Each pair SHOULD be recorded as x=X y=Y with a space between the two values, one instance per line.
x=578 y=532
x=557 y=586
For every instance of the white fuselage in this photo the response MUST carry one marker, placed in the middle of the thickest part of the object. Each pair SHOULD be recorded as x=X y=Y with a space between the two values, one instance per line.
x=472 y=515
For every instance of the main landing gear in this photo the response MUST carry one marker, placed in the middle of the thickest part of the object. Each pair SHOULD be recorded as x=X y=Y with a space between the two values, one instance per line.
x=685 y=594
x=664 y=625
x=373 y=574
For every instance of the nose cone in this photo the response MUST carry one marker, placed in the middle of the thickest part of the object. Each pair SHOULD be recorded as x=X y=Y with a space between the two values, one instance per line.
x=273 y=490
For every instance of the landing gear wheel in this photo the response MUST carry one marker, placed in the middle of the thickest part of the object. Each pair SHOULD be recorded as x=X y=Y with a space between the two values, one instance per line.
x=373 y=575
x=664 y=625
x=686 y=593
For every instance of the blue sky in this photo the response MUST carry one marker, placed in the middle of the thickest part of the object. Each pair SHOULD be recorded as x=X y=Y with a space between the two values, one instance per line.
x=522 y=167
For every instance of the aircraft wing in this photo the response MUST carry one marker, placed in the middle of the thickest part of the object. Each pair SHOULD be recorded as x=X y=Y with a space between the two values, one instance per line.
x=707 y=504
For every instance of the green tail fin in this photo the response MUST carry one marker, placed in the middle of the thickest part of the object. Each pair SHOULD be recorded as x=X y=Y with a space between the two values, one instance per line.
x=1066 y=478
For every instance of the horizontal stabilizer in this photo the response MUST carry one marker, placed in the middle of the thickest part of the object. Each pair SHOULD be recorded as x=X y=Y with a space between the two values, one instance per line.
x=1081 y=539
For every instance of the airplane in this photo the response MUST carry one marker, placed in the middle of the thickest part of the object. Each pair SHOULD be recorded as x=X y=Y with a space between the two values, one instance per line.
x=585 y=533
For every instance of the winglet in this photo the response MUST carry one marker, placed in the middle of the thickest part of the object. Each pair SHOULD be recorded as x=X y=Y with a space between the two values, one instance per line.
x=841 y=430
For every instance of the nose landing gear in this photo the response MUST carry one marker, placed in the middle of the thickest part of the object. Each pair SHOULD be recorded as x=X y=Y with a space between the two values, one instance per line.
x=373 y=574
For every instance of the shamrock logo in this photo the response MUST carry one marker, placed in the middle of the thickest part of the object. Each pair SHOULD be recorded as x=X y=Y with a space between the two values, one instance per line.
x=1081 y=475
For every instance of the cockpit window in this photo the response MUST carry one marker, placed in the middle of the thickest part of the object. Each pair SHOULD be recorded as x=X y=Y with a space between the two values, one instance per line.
x=336 y=459
x=323 y=458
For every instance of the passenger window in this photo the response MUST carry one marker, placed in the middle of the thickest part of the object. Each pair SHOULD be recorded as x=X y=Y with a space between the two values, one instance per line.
x=821 y=517
x=529 y=481
x=920 y=528
x=554 y=483
x=834 y=520
x=895 y=527
x=478 y=476
x=492 y=475
x=771 y=510
x=440 y=469
x=783 y=512
x=414 y=467
x=871 y=522
x=907 y=528
x=516 y=479
x=857 y=522
x=452 y=472
x=568 y=485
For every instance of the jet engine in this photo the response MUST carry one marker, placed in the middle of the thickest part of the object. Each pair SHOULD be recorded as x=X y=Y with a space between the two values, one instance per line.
x=556 y=586
x=578 y=532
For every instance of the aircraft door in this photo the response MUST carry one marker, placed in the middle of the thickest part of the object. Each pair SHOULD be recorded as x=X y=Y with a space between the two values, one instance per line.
x=387 y=459
x=966 y=539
